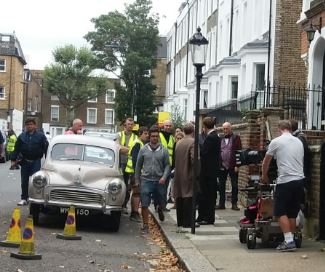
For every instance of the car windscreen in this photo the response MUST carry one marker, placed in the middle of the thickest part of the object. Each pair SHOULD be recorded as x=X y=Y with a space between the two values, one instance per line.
x=95 y=154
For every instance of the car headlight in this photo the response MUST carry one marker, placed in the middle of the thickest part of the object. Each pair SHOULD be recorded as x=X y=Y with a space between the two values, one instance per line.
x=39 y=180
x=114 y=187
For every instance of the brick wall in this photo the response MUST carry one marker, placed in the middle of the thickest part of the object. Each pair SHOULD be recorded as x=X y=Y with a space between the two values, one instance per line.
x=253 y=134
x=288 y=65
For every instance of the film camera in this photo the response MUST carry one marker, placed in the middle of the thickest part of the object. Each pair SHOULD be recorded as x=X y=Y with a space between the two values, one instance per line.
x=249 y=156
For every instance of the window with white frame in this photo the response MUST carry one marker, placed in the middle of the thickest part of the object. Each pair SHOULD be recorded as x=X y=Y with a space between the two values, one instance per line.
x=110 y=96
x=205 y=99
x=109 y=116
x=234 y=87
x=29 y=104
x=54 y=98
x=91 y=115
x=92 y=100
x=55 y=113
x=2 y=92
x=2 y=65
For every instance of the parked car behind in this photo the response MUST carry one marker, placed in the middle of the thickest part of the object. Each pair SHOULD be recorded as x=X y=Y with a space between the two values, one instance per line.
x=81 y=172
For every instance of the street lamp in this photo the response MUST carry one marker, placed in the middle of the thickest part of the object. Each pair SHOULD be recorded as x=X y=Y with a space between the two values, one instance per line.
x=199 y=46
x=312 y=29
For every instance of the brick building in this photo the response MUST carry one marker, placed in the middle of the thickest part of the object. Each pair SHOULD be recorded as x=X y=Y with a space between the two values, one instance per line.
x=97 y=114
x=12 y=83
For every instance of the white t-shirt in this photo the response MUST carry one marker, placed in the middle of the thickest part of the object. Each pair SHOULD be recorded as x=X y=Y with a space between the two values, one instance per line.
x=289 y=154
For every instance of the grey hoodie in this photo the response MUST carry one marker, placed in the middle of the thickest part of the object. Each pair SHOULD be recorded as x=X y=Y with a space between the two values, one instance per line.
x=152 y=164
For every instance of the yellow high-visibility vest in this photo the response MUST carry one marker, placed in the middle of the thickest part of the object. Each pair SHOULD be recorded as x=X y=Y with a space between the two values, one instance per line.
x=11 y=143
x=133 y=137
x=169 y=145
x=129 y=166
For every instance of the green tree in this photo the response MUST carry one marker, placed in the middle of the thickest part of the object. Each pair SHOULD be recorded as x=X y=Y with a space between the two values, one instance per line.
x=177 y=116
x=126 y=44
x=70 y=78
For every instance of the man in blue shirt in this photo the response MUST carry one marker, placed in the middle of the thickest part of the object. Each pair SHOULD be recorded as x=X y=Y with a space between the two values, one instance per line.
x=30 y=147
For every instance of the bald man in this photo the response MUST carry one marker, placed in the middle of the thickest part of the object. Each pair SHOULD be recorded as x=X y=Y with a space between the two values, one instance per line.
x=167 y=139
x=229 y=144
x=76 y=127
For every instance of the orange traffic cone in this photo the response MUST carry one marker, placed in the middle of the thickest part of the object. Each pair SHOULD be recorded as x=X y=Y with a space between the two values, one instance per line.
x=27 y=250
x=14 y=233
x=69 y=232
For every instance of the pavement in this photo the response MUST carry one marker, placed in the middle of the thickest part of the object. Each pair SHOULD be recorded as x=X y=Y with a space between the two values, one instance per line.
x=217 y=248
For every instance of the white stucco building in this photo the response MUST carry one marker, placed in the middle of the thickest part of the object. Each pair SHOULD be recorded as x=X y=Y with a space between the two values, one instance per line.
x=237 y=55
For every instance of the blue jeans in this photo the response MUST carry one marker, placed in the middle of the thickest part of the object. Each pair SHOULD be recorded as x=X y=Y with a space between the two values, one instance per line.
x=152 y=189
x=28 y=168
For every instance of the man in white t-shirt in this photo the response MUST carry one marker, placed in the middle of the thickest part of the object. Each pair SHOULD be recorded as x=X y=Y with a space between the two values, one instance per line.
x=289 y=154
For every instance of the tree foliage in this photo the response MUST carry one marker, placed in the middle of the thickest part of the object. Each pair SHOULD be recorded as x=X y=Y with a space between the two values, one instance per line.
x=126 y=44
x=177 y=116
x=70 y=77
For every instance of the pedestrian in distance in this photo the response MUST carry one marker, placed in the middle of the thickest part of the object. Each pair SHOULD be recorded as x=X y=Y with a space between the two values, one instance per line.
x=151 y=172
x=143 y=135
x=230 y=143
x=12 y=139
x=183 y=177
x=30 y=148
x=210 y=163
x=2 y=144
x=76 y=128
x=167 y=139
x=126 y=139
x=289 y=153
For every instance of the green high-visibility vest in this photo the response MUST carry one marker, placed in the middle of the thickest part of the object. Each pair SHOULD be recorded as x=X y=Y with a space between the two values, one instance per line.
x=169 y=145
x=129 y=166
x=11 y=143
x=133 y=137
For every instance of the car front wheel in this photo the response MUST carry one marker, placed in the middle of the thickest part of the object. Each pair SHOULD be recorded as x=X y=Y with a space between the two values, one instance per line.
x=113 y=221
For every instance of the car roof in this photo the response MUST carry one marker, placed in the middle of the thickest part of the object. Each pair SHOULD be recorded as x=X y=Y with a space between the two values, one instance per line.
x=84 y=139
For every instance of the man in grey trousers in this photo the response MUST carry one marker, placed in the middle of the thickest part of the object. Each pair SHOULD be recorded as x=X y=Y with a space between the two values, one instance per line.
x=151 y=172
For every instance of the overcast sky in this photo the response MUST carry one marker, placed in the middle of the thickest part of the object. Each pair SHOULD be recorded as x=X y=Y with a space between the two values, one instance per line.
x=43 y=25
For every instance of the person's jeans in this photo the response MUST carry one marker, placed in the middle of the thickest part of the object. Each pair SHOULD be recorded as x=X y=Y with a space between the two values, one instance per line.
x=152 y=189
x=222 y=185
x=28 y=168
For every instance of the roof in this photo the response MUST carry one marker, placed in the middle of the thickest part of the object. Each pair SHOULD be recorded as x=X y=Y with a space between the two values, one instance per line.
x=83 y=139
x=10 y=46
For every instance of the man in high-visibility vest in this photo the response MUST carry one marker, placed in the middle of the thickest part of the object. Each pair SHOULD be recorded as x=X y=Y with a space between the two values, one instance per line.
x=126 y=139
x=167 y=139
x=132 y=161
x=12 y=138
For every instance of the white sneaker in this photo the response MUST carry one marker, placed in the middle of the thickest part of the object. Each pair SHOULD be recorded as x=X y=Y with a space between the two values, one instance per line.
x=22 y=202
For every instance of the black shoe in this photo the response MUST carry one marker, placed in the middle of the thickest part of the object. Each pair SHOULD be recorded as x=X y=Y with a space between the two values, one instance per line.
x=235 y=207
x=197 y=225
x=220 y=207
x=161 y=214
x=166 y=210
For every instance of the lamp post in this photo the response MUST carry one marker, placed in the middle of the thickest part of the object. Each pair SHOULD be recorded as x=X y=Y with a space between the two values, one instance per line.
x=198 y=49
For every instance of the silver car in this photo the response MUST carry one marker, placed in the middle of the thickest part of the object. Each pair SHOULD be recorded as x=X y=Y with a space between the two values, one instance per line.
x=82 y=171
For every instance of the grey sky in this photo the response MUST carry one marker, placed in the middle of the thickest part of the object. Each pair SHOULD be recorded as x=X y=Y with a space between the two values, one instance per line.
x=43 y=25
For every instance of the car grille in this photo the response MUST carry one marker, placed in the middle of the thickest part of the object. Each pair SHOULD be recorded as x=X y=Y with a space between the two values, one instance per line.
x=75 y=196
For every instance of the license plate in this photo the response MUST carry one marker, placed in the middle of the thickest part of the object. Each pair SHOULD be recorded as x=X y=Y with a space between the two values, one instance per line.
x=83 y=212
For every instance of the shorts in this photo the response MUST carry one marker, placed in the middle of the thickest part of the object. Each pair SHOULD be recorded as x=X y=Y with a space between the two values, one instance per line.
x=151 y=189
x=287 y=198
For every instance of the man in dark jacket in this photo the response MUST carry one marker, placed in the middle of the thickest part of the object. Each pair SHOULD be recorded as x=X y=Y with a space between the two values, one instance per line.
x=229 y=144
x=210 y=155
x=30 y=146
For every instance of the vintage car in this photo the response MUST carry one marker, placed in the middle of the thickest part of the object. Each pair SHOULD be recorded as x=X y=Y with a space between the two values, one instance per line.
x=82 y=171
